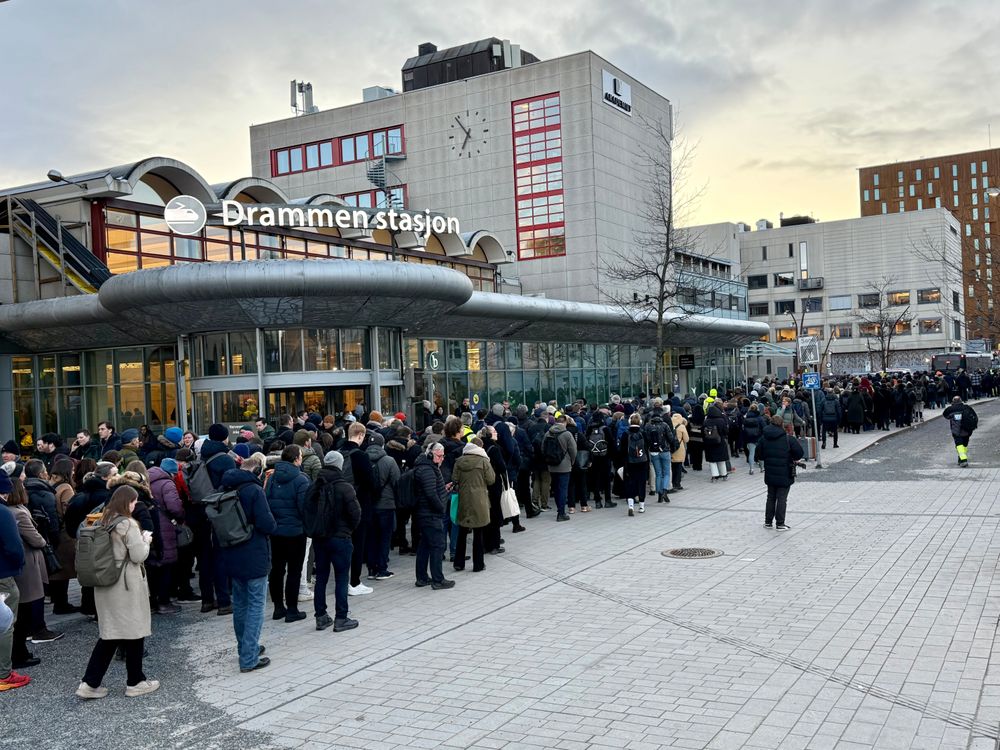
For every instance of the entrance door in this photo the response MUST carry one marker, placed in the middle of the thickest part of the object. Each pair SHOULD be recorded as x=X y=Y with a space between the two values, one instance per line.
x=323 y=401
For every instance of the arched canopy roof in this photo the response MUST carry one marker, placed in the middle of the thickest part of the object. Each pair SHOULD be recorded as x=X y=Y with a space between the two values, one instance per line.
x=259 y=190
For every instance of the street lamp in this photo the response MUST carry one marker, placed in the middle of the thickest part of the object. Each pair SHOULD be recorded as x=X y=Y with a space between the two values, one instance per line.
x=56 y=176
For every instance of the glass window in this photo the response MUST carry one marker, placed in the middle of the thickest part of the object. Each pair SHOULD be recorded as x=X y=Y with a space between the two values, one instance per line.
x=983 y=170
x=842 y=331
x=867 y=330
x=361 y=147
x=884 y=210
x=875 y=179
x=281 y=162
x=784 y=279
x=784 y=306
x=354 y=349
x=913 y=190
x=494 y=355
x=514 y=359
x=296 y=159
x=937 y=173
x=243 y=353
x=877 y=193
x=187 y=247
x=898 y=298
x=312 y=156
x=154 y=244
x=395 y=140
x=899 y=176
x=346 y=149
x=378 y=143
x=868 y=300
x=812 y=304
x=866 y=195
x=903 y=328
x=814 y=331
x=972 y=167
x=119 y=263
x=840 y=302
x=784 y=334
x=919 y=175
x=455 y=355
x=930 y=325
x=325 y=154
x=388 y=349
x=320 y=349
x=758 y=310
x=213 y=355
x=920 y=204
x=757 y=282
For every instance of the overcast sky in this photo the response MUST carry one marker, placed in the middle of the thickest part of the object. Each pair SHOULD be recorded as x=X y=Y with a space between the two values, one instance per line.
x=783 y=99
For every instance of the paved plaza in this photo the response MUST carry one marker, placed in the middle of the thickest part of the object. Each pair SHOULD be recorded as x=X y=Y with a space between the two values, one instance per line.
x=871 y=624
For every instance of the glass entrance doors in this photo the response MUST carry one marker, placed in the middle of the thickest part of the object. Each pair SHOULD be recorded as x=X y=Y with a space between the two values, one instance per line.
x=323 y=401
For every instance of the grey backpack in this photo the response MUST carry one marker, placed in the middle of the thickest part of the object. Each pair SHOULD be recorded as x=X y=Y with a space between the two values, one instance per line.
x=95 y=556
x=229 y=520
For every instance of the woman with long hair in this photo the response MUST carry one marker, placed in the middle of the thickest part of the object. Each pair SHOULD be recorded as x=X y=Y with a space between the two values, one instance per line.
x=32 y=578
x=123 y=608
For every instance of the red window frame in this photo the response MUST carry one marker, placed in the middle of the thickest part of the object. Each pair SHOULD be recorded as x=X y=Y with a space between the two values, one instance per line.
x=335 y=145
x=553 y=243
x=371 y=194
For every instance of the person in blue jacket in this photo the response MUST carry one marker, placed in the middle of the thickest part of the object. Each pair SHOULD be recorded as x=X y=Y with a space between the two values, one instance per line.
x=286 y=494
x=248 y=563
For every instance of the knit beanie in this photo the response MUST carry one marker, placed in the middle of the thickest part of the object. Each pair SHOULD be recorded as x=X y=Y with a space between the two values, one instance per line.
x=334 y=459
x=129 y=435
x=11 y=447
x=242 y=450
x=174 y=434
x=218 y=432
x=169 y=465
x=302 y=437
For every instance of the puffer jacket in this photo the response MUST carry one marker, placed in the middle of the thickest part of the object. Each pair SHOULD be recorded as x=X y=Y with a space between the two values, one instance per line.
x=717 y=452
x=170 y=508
x=473 y=474
x=42 y=500
x=344 y=512
x=311 y=464
x=778 y=451
x=93 y=493
x=286 y=492
x=429 y=488
x=387 y=473
x=681 y=433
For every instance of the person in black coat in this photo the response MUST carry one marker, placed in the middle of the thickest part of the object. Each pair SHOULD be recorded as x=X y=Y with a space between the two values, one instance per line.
x=598 y=441
x=522 y=482
x=431 y=496
x=778 y=452
x=715 y=434
x=491 y=535
x=93 y=494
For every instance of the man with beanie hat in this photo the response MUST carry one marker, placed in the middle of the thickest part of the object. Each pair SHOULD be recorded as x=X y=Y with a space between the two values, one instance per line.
x=11 y=564
x=332 y=514
x=10 y=452
x=130 y=448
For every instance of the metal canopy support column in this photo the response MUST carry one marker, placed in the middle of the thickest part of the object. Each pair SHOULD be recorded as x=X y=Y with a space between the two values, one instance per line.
x=181 y=377
x=261 y=403
x=375 y=403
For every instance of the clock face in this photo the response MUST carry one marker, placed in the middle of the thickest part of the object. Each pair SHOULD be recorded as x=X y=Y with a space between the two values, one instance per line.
x=469 y=134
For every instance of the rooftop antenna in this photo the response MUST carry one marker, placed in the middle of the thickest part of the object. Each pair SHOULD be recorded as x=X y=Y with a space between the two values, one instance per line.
x=305 y=89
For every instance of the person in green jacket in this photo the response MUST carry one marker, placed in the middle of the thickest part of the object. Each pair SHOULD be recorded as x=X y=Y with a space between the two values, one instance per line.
x=472 y=475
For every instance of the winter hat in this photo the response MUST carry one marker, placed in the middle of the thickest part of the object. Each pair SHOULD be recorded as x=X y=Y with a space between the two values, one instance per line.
x=218 y=432
x=350 y=418
x=11 y=447
x=376 y=438
x=302 y=437
x=550 y=409
x=400 y=416
x=498 y=409
x=242 y=450
x=713 y=393
x=169 y=465
x=9 y=468
x=174 y=434
x=129 y=435
x=334 y=459
x=314 y=418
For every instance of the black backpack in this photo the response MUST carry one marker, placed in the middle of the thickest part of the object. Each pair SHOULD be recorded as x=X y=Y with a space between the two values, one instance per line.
x=636 y=447
x=552 y=451
x=830 y=408
x=597 y=442
x=653 y=436
x=406 y=490
x=710 y=434
x=970 y=420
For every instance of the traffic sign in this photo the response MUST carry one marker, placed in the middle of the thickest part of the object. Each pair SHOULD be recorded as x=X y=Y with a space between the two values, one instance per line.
x=810 y=381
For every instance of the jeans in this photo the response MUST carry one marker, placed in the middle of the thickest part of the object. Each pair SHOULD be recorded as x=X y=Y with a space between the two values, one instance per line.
x=9 y=587
x=776 y=499
x=104 y=652
x=477 y=549
x=286 y=551
x=751 y=452
x=430 y=550
x=334 y=552
x=380 y=530
x=560 y=482
x=661 y=466
x=248 y=617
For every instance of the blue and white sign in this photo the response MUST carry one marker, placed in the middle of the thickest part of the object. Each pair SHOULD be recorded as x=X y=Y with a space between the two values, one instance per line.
x=810 y=381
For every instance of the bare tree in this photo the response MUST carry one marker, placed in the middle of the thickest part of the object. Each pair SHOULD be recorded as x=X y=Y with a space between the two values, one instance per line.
x=652 y=279
x=882 y=321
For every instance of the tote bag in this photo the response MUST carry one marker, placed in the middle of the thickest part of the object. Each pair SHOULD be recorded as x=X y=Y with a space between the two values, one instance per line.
x=508 y=502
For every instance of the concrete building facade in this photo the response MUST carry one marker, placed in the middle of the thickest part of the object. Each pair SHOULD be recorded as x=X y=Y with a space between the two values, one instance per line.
x=548 y=154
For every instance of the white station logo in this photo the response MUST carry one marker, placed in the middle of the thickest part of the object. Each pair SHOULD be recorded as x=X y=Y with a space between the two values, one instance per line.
x=185 y=214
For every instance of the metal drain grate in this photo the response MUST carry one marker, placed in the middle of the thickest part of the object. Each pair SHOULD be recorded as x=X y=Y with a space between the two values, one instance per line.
x=692 y=553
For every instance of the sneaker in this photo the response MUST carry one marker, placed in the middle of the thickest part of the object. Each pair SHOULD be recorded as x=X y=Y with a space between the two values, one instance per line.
x=384 y=576
x=261 y=663
x=344 y=624
x=149 y=686
x=323 y=622
x=168 y=609
x=444 y=583
x=372 y=577
x=562 y=517
x=295 y=616
x=768 y=525
x=305 y=594
x=359 y=590
x=46 y=636
x=88 y=692
x=227 y=610
x=631 y=512
x=421 y=582
x=14 y=681
x=782 y=527
x=642 y=507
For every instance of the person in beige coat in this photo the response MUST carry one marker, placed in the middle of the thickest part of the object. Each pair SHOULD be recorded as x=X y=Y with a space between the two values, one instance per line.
x=678 y=456
x=472 y=475
x=32 y=579
x=124 y=618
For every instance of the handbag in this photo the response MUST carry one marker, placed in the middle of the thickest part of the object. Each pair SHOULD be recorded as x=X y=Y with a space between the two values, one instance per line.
x=508 y=502
x=52 y=564
x=453 y=509
x=185 y=535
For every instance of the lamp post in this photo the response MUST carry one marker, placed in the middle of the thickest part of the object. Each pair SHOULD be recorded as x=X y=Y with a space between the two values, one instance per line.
x=56 y=176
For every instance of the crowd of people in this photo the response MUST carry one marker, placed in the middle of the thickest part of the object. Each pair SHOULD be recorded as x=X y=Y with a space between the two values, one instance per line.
x=261 y=514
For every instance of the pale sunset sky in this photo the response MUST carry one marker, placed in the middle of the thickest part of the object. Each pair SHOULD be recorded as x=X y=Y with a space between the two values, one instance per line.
x=785 y=100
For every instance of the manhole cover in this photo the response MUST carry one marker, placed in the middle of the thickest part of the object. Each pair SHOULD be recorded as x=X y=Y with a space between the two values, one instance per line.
x=691 y=553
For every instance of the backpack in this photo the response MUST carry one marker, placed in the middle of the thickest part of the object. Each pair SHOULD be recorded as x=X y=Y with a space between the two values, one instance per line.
x=406 y=490
x=552 y=451
x=229 y=521
x=317 y=518
x=199 y=480
x=970 y=420
x=596 y=442
x=830 y=409
x=710 y=434
x=653 y=435
x=95 y=556
x=636 y=447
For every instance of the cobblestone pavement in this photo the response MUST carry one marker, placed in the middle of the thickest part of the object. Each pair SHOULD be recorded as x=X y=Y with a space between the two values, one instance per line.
x=871 y=624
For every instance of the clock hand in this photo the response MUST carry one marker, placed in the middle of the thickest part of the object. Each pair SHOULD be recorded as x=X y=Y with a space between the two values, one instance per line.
x=468 y=136
x=467 y=131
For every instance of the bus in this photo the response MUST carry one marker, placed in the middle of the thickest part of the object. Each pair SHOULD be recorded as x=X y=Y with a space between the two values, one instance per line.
x=955 y=361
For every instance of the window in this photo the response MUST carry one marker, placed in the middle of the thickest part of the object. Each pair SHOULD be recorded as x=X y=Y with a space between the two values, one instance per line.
x=791 y=250
x=956 y=301
x=785 y=334
x=812 y=304
x=919 y=175
x=866 y=196
x=901 y=207
x=763 y=250
x=875 y=179
x=903 y=328
x=377 y=198
x=954 y=170
x=281 y=162
x=757 y=282
x=804 y=259
x=867 y=330
x=899 y=176
x=876 y=193
x=840 y=302
x=784 y=279
x=758 y=310
x=784 y=306
x=898 y=298
x=884 y=210
x=954 y=186
x=920 y=204
x=937 y=202
x=972 y=167
x=346 y=150
x=957 y=328
x=975 y=199
x=983 y=170
x=312 y=156
x=974 y=183
x=975 y=213
x=954 y=201
x=930 y=188
x=928 y=296
x=971 y=291
x=842 y=331
x=538 y=185
x=814 y=331
x=868 y=300
x=937 y=173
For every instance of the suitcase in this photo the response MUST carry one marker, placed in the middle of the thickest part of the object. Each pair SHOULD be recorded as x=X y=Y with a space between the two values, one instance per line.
x=808 y=448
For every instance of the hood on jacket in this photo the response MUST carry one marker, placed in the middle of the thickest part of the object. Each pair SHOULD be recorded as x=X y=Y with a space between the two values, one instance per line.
x=375 y=452
x=714 y=412
x=38 y=484
x=284 y=472
x=167 y=444
x=678 y=420
x=474 y=450
x=212 y=447
x=156 y=474
x=773 y=432
x=236 y=478
x=557 y=428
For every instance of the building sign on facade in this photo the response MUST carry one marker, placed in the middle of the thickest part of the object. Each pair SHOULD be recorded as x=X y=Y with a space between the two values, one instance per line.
x=685 y=361
x=617 y=93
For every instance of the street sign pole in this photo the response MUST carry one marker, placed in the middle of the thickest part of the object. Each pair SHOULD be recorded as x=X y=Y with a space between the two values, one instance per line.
x=811 y=381
x=819 y=460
